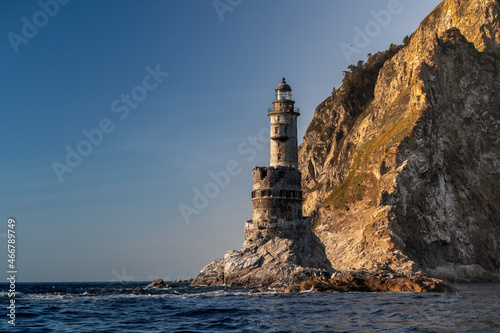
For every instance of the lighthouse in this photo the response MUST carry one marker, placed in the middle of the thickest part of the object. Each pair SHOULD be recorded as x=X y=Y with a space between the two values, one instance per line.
x=277 y=190
x=284 y=128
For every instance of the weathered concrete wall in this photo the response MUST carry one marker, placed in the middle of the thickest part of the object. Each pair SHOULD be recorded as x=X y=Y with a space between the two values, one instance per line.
x=299 y=231
x=276 y=195
x=284 y=134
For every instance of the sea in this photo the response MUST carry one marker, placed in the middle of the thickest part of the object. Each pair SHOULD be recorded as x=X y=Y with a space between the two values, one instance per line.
x=128 y=307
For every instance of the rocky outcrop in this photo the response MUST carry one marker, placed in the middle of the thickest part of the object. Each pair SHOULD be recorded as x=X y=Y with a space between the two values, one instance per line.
x=211 y=275
x=382 y=282
x=264 y=262
x=277 y=260
x=365 y=281
x=179 y=280
x=276 y=265
x=158 y=283
x=410 y=181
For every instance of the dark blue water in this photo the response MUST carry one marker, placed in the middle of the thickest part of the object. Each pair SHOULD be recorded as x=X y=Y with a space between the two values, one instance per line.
x=116 y=307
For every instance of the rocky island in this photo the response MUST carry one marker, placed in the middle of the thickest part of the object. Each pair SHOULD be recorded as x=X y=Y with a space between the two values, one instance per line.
x=396 y=184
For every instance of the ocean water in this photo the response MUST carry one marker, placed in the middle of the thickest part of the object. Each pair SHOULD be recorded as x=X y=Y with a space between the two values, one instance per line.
x=119 y=307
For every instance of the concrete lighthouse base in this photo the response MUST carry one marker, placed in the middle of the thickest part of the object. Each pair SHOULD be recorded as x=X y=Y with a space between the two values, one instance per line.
x=298 y=231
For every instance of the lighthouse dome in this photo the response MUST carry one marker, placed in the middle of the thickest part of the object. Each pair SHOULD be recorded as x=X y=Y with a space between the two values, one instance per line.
x=283 y=86
x=283 y=91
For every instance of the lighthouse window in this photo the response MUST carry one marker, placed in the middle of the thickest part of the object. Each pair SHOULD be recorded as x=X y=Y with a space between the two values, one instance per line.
x=284 y=95
x=279 y=118
x=280 y=143
x=279 y=157
x=276 y=129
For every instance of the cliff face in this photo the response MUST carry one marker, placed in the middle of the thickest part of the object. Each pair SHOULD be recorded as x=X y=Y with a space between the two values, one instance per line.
x=410 y=180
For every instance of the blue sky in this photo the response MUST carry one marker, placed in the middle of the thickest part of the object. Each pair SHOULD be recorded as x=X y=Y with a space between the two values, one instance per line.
x=89 y=66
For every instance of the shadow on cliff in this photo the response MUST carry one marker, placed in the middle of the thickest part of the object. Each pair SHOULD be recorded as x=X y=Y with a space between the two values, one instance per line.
x=447 y=195
x=318 y=255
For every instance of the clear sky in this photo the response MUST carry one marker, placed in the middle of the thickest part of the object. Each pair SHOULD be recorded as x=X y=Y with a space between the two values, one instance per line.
x=115 y=113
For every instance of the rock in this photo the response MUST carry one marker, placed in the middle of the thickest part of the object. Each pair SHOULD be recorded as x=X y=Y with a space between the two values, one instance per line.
x=408 y=179
x=275 y=261
x=158 y=283
x=289 y=289
x=211 y=275
x=365 y=281
x=178 y=280
x=259 y=290
x=375 y=282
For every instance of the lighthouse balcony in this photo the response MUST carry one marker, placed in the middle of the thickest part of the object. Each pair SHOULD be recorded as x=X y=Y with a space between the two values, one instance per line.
x=277 y=194
x=280 y=137
x=291 y=110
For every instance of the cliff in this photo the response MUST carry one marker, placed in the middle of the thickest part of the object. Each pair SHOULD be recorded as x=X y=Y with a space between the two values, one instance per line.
x=401 y=165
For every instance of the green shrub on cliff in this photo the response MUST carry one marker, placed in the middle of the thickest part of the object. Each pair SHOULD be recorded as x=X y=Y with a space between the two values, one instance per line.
x=359 y=81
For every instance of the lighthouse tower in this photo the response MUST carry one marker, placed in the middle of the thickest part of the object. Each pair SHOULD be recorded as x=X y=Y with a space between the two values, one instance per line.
x=277 y=191
x=284 y=128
